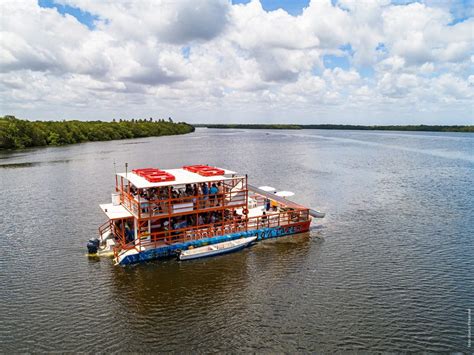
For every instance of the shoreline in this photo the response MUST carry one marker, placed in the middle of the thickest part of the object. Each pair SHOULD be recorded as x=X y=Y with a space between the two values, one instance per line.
x=406 y=128
x=16 y=134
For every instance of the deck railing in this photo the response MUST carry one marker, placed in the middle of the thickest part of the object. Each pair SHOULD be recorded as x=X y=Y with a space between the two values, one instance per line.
x=143 y=208
x=233 y=195
x=105 y=227
x=167 y=237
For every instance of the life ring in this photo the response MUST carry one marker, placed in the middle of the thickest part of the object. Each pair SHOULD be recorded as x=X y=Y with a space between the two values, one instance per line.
x=245 y=211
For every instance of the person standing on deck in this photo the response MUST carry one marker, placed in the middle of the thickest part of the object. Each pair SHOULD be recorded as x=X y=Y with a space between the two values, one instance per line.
x=264 y=219
x=200 y=220
x=213 y=194
x=220 y=195
x=205 y=192
x=195 y=194
x=267 y=204
x=274 y=204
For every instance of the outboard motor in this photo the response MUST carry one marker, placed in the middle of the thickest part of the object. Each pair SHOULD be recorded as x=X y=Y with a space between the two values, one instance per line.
x=93 y=246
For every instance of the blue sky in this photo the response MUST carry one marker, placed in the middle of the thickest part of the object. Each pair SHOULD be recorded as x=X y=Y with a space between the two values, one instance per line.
x=293 y=7
x=215 y=61
x=83 y=17
x=460 y=9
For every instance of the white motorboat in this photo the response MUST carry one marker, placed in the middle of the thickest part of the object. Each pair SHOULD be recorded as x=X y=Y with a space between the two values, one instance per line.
x=316 y=213
x=216 y=249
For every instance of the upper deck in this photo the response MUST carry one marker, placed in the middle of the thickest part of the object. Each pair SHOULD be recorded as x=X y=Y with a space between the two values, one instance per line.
x=181 y=192
x=182 y=177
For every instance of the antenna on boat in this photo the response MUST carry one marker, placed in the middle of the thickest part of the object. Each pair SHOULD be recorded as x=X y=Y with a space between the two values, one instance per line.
x=126 y=171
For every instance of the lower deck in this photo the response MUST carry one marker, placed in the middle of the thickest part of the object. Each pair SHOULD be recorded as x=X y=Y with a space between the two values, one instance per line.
x=150 y=237
x=159 y=249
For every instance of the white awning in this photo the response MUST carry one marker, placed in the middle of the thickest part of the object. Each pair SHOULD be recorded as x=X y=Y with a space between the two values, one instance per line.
x=285 y=193
x=267 y=188
x=182 y=177
x=115 y=212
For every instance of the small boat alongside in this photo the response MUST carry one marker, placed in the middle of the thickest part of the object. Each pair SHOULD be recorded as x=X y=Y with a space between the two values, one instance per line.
x=216 y=249
x=316 y=213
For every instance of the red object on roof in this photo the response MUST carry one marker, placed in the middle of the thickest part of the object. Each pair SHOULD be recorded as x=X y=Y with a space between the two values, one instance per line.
x=204 y=170
x=195 y=168
x=154 y=175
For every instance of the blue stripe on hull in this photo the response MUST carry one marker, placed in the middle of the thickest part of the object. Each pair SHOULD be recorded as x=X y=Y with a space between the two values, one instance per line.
x=170 y=250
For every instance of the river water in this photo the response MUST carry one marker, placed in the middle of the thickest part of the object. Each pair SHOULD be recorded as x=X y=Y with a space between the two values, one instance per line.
x=390 y=268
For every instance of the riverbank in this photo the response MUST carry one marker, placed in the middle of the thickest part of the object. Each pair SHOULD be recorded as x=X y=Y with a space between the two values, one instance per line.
x=395 y=238
x=17 y=133
x=425 y=128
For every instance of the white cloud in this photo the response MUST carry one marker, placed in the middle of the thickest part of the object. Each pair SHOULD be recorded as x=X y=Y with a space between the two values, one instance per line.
x=210 y=61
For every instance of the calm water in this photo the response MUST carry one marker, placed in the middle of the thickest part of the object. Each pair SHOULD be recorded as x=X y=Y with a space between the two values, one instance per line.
x=389 y=269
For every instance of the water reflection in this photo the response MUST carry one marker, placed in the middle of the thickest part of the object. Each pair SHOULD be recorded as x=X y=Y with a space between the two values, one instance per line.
x=390 y=270
x=171 y=284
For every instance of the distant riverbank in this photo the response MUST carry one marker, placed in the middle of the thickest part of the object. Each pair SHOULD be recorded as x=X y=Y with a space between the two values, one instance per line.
x=16 y=133
x=344 y=127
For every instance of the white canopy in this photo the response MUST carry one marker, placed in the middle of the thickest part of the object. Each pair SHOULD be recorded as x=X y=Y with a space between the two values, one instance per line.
x=267 y=188
x=115 y=212
x=285 y=193
x=182 y=177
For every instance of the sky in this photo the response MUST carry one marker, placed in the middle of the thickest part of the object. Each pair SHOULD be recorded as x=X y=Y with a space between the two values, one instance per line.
x=245 y=61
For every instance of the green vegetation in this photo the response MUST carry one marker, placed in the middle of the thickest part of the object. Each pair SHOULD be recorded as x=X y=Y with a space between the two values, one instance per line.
x=16 y=133
x=344 y=127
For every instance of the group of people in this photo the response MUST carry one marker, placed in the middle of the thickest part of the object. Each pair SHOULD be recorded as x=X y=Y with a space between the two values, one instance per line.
x=202 y=219
x=270 y=204
x=204 y=195
x=211 y=194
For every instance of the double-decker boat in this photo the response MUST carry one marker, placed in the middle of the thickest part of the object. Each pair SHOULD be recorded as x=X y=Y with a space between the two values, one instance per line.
x=160 y=213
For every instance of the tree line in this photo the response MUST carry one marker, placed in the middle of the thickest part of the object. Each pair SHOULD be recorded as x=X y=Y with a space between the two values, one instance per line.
x=18 y=133
x=432 y=128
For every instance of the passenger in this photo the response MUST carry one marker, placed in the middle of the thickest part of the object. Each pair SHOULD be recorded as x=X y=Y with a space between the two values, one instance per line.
x=129 y=234
x=213 y=218
x=151 y=194
x=164 y=194
x=237 y=218
x=166 y=230
x=274 y=205
x=189 y=190
x=213 y=194
x=200 y=220
x=205 y=192
x=267 y=204
x=220 y=196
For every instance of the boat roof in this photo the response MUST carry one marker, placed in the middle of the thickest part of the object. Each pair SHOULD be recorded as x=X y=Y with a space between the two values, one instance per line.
x=182 y=176
x=115 y=211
